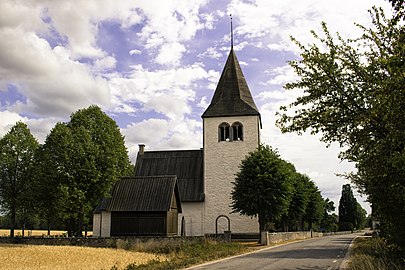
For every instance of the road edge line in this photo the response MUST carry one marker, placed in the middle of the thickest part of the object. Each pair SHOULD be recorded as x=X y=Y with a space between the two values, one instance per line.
x=346 y=259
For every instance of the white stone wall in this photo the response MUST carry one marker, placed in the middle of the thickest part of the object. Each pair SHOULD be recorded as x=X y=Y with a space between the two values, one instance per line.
x=96 y=225
x=221 y=163
x=193 y=216
x=105 y=224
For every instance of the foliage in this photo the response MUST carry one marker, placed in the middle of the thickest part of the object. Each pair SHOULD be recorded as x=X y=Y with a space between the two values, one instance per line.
x=306 y=206
x=315 y=207
x=353 y=95
x=351 y=215
x=17 y=150
x=347 y=209
x=398 y=5
x=293 y=219
x=374 y=254
x=329 y=219
x=262 y=187
x=78 y=164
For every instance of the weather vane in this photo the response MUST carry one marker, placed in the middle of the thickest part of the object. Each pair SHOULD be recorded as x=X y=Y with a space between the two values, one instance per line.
x=230 y=15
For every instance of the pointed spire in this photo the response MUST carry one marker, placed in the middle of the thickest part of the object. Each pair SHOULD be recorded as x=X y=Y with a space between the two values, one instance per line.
x=232 y=96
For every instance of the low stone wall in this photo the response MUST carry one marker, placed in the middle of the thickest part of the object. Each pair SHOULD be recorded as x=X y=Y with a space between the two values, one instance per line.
x=103 y=242
x=267 y=238
x=61 y=241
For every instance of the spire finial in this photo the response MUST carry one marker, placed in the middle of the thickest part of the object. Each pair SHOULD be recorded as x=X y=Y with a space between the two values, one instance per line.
x=231 y=32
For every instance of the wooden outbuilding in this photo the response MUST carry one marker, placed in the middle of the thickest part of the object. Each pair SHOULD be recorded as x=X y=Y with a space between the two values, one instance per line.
x=139 y=206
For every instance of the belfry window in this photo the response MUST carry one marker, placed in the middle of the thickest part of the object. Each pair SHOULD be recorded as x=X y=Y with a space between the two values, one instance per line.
x=223 y=132
x=237 y=132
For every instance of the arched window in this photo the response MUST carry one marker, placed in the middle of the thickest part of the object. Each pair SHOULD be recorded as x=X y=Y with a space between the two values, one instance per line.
x=237 y=131
x=223 y=132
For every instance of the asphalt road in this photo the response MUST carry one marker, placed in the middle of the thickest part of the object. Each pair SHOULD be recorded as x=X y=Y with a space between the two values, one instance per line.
x=313 y=254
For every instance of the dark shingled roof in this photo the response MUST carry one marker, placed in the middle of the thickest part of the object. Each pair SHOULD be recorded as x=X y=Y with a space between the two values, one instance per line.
x=153 y=193
x=232 y=96
x=187 y=165
x=102 y=206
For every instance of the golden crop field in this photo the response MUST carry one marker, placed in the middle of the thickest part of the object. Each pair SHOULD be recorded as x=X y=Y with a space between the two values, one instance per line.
x=6 y=232
x=24 y=257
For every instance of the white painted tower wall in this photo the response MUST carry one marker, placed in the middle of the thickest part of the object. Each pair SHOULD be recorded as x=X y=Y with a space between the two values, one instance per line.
x=221 y=163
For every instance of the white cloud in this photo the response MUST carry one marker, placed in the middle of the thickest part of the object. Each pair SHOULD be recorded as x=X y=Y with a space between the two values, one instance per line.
x=104 y=64
x=8 y=120
x=134 y=51
x=170 y=54
x=280 y=75
x=39 y=128
x=159 y=134
x=243 y=63
x=274 y=22
x=165 y=91
x=172 y=23
x=211 y=52
x=52 y=83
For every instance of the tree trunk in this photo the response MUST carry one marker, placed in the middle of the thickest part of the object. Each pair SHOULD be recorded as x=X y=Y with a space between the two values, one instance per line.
x=13 y=220
x=70 y=227
x=79 y=226
x=48 y=225
x=23 y=229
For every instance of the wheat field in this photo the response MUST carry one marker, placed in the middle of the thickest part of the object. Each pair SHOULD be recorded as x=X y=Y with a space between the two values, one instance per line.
x=6 y=232
x=24 y=257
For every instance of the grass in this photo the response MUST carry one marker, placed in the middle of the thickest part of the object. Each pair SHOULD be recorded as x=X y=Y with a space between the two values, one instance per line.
x=168 y=253
x=374 y=254
x=26 y=257
x=6 y=232
x=181 y=254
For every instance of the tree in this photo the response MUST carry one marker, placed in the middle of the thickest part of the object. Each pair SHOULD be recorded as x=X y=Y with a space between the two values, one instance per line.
x=81 y=160
x=360 y=217
x=347 y=209
x=329 y=219
x=17 y=150
x=314 y=211
x=353 y=95
x=351 y=214
x=52 y=173
x=262 y=187
x=299 y=201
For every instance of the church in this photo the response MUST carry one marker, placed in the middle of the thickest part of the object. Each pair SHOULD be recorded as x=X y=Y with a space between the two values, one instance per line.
x=188 y=192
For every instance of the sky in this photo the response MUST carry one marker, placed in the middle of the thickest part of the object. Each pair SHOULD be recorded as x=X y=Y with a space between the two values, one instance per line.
x=153 y=67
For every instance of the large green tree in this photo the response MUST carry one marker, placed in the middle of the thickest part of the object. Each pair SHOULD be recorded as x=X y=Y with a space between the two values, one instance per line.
x=347 y=209
x=81 y=160
x=329 y=219
x=314 y=211
x=262 y=187
x=17 y=150
x=354 y=95
x=351 y=214
x=293 y=219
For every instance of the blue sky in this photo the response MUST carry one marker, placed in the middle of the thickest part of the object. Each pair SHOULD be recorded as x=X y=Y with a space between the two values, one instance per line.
x=153 y=67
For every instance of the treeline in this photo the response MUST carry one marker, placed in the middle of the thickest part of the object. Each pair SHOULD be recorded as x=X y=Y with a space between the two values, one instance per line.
x=285 y=200
x=58 y=184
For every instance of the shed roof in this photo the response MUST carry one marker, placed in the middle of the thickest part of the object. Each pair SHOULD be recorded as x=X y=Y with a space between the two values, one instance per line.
x=232 y=96
x=187 y=165
x=144 y=193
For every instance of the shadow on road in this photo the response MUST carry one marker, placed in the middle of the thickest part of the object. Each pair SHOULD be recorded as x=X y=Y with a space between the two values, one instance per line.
x=307 y=253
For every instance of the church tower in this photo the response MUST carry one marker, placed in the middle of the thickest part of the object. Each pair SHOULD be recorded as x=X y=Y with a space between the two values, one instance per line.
x=231 y=126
